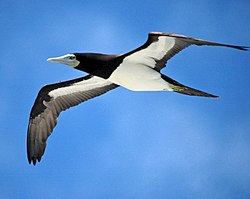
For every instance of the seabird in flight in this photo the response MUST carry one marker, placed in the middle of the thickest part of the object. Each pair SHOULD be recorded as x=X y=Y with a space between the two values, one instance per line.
x=137 y=70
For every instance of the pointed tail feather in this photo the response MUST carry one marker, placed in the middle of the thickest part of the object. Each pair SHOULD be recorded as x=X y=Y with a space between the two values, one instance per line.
x=190 y=91
x=180 y=88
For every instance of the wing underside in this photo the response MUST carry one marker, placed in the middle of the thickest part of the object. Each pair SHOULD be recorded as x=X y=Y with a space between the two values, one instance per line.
x=51 y=101
x=160 y=47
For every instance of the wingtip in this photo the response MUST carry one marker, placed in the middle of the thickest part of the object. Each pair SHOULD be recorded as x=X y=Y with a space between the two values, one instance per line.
x=33 y=160
x=245 y=48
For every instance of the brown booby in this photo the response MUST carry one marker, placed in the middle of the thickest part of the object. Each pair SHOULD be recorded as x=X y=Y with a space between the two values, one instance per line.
x=137 y=70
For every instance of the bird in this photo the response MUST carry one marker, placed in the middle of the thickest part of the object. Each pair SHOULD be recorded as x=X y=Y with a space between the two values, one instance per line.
x=136 y=70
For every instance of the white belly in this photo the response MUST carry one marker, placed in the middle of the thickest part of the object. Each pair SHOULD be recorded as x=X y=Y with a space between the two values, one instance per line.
x=138 y=78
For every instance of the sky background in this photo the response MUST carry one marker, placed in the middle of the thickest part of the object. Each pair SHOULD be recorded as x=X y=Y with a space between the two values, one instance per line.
x=124 y=144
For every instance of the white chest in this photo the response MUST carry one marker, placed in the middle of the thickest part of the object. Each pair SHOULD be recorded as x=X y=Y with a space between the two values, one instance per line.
x=138 y=77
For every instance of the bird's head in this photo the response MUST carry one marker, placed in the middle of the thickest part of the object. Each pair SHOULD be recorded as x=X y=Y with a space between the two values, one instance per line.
x=68 y=59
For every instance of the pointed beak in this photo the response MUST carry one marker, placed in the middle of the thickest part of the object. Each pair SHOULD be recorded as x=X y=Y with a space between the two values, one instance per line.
x=65 y=59
x=56 y=59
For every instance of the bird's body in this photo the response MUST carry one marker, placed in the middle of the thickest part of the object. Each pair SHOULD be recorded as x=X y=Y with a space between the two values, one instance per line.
x=137 y=70
x=140 y=68
x=141 y=78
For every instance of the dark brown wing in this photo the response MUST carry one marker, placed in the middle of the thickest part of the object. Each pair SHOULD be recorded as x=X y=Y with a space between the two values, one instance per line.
x=160 y=47
x=53 y=99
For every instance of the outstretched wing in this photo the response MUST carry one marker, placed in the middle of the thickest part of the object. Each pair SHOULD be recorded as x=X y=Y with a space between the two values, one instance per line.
x=53 y=99
x=160 y=47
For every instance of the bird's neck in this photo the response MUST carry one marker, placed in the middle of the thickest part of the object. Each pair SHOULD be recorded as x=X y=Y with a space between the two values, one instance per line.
x=100 y=65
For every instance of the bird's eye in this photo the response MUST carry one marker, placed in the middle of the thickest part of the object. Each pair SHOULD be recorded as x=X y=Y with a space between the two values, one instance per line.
x=71 y=57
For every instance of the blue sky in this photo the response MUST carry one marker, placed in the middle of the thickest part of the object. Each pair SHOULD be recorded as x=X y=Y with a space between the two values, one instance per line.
x=149 y=145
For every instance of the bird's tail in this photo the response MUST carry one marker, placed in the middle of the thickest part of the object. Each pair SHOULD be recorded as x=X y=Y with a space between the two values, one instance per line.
x=180 y=88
